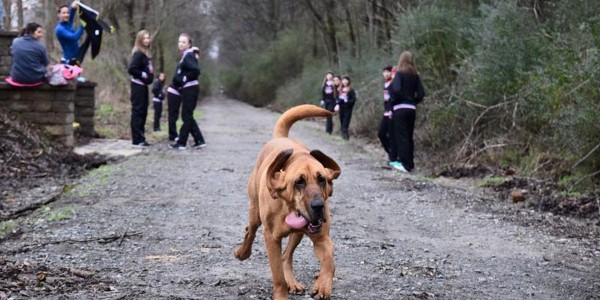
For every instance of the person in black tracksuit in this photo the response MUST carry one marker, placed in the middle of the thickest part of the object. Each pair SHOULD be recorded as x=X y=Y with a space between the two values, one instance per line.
x=157 y=98
x=141 y=71
x=186 y=81
x=329 y=94
x=385 y=126
x=345 y=102
x=407 y=92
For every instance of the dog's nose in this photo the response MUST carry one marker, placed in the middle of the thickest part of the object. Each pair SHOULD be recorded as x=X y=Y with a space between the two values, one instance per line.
x=317 y=204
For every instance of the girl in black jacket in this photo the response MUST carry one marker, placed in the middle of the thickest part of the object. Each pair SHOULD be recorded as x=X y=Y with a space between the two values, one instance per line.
x=329 y=94
x=186 y=82
x=142 y=74
x=157 y=98
x=345 y=101
x=407 y=92
x=385 y=132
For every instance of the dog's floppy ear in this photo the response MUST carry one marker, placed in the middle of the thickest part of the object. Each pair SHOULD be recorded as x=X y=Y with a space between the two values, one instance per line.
x=275 y=174
x=328 y=163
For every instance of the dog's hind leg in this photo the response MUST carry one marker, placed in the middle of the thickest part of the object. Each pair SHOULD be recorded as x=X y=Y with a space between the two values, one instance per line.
x=245 y=250
x=288 y=259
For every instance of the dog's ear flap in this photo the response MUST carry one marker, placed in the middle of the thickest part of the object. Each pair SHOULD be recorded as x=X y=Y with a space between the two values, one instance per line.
x=328 y=163
x=275 y=174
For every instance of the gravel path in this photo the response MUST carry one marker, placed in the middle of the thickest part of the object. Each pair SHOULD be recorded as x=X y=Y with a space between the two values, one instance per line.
x=163 y=225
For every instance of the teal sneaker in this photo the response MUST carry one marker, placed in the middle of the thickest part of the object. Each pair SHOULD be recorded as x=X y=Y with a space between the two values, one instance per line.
x=400 y=167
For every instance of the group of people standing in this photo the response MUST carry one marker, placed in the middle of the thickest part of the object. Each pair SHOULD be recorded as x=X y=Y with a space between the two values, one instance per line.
x=339 y=96
x=402 y=92
x=182 y=93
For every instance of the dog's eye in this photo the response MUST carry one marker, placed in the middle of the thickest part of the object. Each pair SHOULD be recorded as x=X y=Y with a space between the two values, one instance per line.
x=300 y=183
x=321 y=180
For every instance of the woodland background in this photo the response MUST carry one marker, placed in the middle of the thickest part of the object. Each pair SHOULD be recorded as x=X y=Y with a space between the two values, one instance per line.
x=511 y=85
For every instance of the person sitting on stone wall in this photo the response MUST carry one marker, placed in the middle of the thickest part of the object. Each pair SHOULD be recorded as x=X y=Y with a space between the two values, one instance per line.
x=29 y=57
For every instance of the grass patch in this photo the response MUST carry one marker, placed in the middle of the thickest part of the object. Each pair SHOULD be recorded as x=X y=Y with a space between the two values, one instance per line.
x=493 y=181
x=7 y=227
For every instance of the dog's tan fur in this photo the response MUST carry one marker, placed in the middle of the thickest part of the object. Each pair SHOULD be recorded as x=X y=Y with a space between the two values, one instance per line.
x=288 y=178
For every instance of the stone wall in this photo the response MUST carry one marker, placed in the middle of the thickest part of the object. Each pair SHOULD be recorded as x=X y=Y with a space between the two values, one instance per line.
x=54 y=108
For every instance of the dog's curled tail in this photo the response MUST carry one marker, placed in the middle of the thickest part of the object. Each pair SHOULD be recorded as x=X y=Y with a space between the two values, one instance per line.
x=297 y=113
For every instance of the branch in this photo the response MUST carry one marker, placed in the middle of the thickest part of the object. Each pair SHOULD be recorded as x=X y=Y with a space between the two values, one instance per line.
x=100 y=239
x=586 y=156
x=31 y=207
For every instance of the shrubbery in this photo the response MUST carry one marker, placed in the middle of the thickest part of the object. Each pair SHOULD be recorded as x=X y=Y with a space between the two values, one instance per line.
x=505 y=85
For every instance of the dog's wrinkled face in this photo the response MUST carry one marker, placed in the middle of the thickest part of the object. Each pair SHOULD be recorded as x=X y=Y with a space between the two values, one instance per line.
x=305 y=184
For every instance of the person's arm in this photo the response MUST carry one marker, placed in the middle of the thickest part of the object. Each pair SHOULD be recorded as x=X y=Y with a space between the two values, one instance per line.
x=351 y=96
x=135 y=66
x=191 y=67
x=420 y=91
x=64 y=33
x=396 y=87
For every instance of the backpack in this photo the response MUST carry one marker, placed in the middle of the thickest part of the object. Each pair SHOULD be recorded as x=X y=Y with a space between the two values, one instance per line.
x=60 y=74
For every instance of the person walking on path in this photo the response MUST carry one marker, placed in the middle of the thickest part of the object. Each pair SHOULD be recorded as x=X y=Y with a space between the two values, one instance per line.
x=385 y=132
x=29 y=56
x=67 y=36
x=186 y=82
x=407 y=92
x=157 y=99
x=329 y=95
x=142 y=75
x=346 y=100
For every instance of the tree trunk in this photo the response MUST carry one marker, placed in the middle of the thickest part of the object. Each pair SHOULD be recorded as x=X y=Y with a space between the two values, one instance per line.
x=20 y=14
x=7 y=14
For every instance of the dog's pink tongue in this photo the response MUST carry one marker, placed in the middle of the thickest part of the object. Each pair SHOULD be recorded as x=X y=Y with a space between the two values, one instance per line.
x=295 y=221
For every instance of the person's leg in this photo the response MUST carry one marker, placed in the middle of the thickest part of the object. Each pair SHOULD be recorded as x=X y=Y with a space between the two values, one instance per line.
x=348 y=118
x=157 y=114
x=383 y=134
x=137 y=96
x=144 y=111
x=342 y=113
x=404 y=139
x=174 y=103
x=188 y=104
x=195 y=129
x=329 y=105
x=410 y=128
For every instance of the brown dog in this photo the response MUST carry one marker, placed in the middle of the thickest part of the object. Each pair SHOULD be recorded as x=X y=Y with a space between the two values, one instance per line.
x=288 y=192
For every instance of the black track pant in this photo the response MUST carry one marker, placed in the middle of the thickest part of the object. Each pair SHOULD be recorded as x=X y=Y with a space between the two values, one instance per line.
x=345 y=116
x=329 y=105
x=403 y=128
x=189 y=98
x=139 y=111
x=157 y=113
x=174 y=103
x=385 y=135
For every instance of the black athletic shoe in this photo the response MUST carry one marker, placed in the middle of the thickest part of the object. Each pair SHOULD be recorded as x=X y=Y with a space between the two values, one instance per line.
x=177 y=146
x=199 y=145
x=142 y=144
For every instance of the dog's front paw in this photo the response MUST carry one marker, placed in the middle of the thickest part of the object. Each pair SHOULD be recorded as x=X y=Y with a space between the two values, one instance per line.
x=322 y=288
x=296 y=287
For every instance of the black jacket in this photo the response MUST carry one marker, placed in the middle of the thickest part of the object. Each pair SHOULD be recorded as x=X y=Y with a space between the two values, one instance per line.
x=141 y=63
x=407 y=89
x=157 y=90
x=187 y=70
x=387 y=90
x=347 y=98
x=329 y=92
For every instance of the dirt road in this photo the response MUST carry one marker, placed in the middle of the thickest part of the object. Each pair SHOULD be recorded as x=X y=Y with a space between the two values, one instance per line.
x=163 y=225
